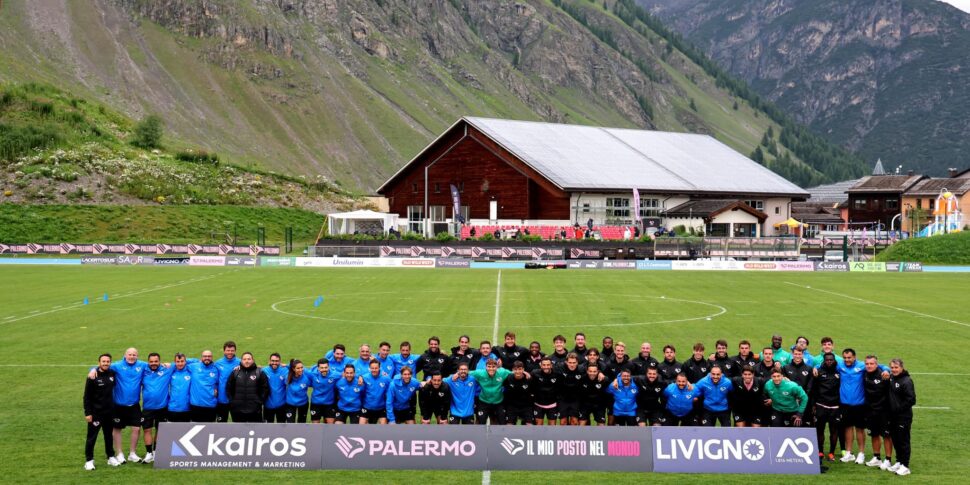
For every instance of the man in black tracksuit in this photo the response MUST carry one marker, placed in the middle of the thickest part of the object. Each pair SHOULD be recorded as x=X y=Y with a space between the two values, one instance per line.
x=802 y=374
x=745 y=357
x=517 y=397
x=569 y=391
x=510 y=352
x=247 y=388
x=650 y=407
x=825 y=395
x=669 y=367
x=591 y=394
x=644 y=360
x=546 y=385
x=877 y=413
x=432 y=360
x=723 y=360
x=696 y=368
x=748 y=400
x=434 y=398
x=462 y=354
x=97 y=409
x=902 y=398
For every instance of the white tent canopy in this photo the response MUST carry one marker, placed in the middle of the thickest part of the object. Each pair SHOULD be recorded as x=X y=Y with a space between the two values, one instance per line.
x=363 y=221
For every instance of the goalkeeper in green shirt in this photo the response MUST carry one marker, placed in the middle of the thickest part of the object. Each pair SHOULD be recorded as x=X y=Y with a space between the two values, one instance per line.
x=489 y=405
x=787 y=400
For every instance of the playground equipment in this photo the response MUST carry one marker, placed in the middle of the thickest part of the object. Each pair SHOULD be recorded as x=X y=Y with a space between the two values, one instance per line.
x=947 y=216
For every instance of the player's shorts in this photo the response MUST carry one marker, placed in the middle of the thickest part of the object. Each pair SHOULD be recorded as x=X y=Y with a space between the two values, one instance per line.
x=319 y=412
x=671 y=419
x=878 y=423
x=568 y=409
x=151 y=417
x=539 y=413
x=341 y=416
x=649 y=417
x=625 y=420
x=460 y=419
x=403 y=415
x=427 y=414
x=854 y=416
x=178 y=416
x=274 y=415
x=373 y=415
x=748 y=417
x=782 y=420
x=517 y=414
x=827 y=414
x=596 y=411
x=711 y=418
x=123 y=416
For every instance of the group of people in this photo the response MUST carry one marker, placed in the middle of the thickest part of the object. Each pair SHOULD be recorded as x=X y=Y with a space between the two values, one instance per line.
x=512 y=384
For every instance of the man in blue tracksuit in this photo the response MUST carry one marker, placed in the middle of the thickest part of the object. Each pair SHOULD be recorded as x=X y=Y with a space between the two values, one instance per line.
x=383 y=358
x=375 y=397
x=127 y=394
x=624 y=393
x=350 y=395
x=463 y=392
x=714 y=390
x=178 y=392
x=324 y=396
x=402 y=398
x=274 y=409
x=155 y=383
x=338 y=358
x=852 y=395
x=404 y=359
x=204 y=389
x=680 y=402
x=226 y=364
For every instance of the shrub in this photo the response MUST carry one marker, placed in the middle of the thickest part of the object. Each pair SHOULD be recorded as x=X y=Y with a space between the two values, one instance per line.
x=412 y=236
x=148 y=132
x=444 y=237
x=198 y=156
x=487 y=237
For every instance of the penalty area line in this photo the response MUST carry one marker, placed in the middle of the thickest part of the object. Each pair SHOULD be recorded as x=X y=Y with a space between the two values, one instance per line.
x=878 y=304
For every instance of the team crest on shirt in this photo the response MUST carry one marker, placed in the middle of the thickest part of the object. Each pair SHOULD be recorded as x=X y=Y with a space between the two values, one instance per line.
x=160 y=373
x=785 y=393
x=356 y=389
x=804 y=372
x=441 y=361
x=441 y=394
x=381 y=384
x=877 y=381
x=252 y=377
x=723 y=388
x=212 y=374
x=703 y=369
x=112 y=379
x=677 y=370
x=526 y=386
x=188 y=377
x=96 y=423
x=578 y=377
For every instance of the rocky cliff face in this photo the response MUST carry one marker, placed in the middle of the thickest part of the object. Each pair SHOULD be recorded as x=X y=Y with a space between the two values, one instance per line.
x=352 y=89
x=887 y=78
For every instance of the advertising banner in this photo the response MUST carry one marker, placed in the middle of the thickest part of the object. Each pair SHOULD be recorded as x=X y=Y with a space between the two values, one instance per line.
x=619 y=265
x=134 y=248
x=831 y=266
x=904 y=267
x=867 y=267
x=135 y=259
x=277 y=261
x=619 y=449
x=172 y=261
x=404 y=448
x=99 y=260
x=709 y=265
x=207 y=261
x=795 y=266
x=580 y=264
x=239 y=446
x=341 y=262
x=660 y=265
x=735 y=450
x=452 y=263
x=240 y=261
x=509 y=252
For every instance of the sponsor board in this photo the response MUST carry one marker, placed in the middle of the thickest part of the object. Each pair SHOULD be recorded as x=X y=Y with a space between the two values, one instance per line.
x=508 y=252
x=569 y=448
x=99 y=260
x=404 y=448
x=867 y=267
x=582 y=264
x=795 y=266
x=904 y=267
x=496 y=265
x=735 y=450
x=207 y=261
x=706 y=265
x=581 y=253
x=239 y=446
x=619 y=265
x=659 y=265
x=135 y=259
x=39 y=261
x=241 y=261
x=172 y=261
x=276 y=261
x=452 y=263
x=343 y=262
x=831 y=266
x=134 y=248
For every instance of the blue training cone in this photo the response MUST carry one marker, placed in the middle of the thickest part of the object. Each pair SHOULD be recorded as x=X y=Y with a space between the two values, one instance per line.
x=85 y=301
x=105 y=297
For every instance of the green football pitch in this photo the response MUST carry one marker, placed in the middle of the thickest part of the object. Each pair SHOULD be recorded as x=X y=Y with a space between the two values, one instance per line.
x=49 y=339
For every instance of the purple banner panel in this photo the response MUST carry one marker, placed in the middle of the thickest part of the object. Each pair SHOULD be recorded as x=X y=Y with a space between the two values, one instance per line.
x=735 y=450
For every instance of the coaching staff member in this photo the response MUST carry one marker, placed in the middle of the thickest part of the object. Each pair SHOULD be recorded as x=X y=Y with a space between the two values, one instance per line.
x=97 y=411
x=902 y=398
x=247 y=389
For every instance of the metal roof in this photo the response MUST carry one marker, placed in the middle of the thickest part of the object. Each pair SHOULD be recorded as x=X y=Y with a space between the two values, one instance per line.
x=884 y=183
x=833 y=193
x=591 y=158
x=958 y=186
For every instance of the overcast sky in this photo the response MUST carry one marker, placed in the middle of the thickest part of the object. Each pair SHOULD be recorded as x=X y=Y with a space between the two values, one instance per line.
x=961 y=4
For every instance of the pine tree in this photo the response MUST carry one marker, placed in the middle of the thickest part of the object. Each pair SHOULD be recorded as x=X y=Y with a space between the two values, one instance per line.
x=692 y=105
x=735 y=106
x=758 y=155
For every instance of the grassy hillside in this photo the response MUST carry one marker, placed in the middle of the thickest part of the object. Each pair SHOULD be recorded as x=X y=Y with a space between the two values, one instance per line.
x=943 y=249
x=148 y=224
x=59 y=148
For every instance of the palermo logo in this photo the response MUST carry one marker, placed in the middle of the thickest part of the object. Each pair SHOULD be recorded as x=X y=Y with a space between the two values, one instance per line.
x=350 y=447
x=512 y=446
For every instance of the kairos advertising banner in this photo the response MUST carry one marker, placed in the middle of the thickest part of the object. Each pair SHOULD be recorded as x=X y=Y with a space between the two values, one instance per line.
x=735 y=450
x=239 y=446
x=569 y=448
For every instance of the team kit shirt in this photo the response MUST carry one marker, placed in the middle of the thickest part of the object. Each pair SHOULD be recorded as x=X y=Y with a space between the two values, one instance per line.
x=225 y=369
x=401 y=396
x=491 y=386
x=324 y=393
x=127 y=390
x=715 y=396
x=349 y=395
x=375 y=395
x=680 y=402
x=624 y=398
x=463 y=392
x=277 y=386
x=400 y=362
x=296 y=391
x=155 y=387
x=178 y=392
x=205 y=381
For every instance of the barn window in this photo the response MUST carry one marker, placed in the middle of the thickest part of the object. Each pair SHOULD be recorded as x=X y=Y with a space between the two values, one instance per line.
x=414 y=188
x=437 y=188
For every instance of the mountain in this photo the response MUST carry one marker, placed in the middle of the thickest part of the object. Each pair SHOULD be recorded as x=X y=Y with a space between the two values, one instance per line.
x=351 y=89
x=887 y=79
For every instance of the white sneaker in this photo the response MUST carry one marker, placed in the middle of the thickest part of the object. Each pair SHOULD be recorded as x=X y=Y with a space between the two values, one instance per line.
x=89 y=465
x=149 y=457
x=132 y=457
x=112 y=461
x=885 y=465
x=874 y=462
x=903 y=471
x=859 y=459
x=893 y=468
x=847 y=457
x=120 y=458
